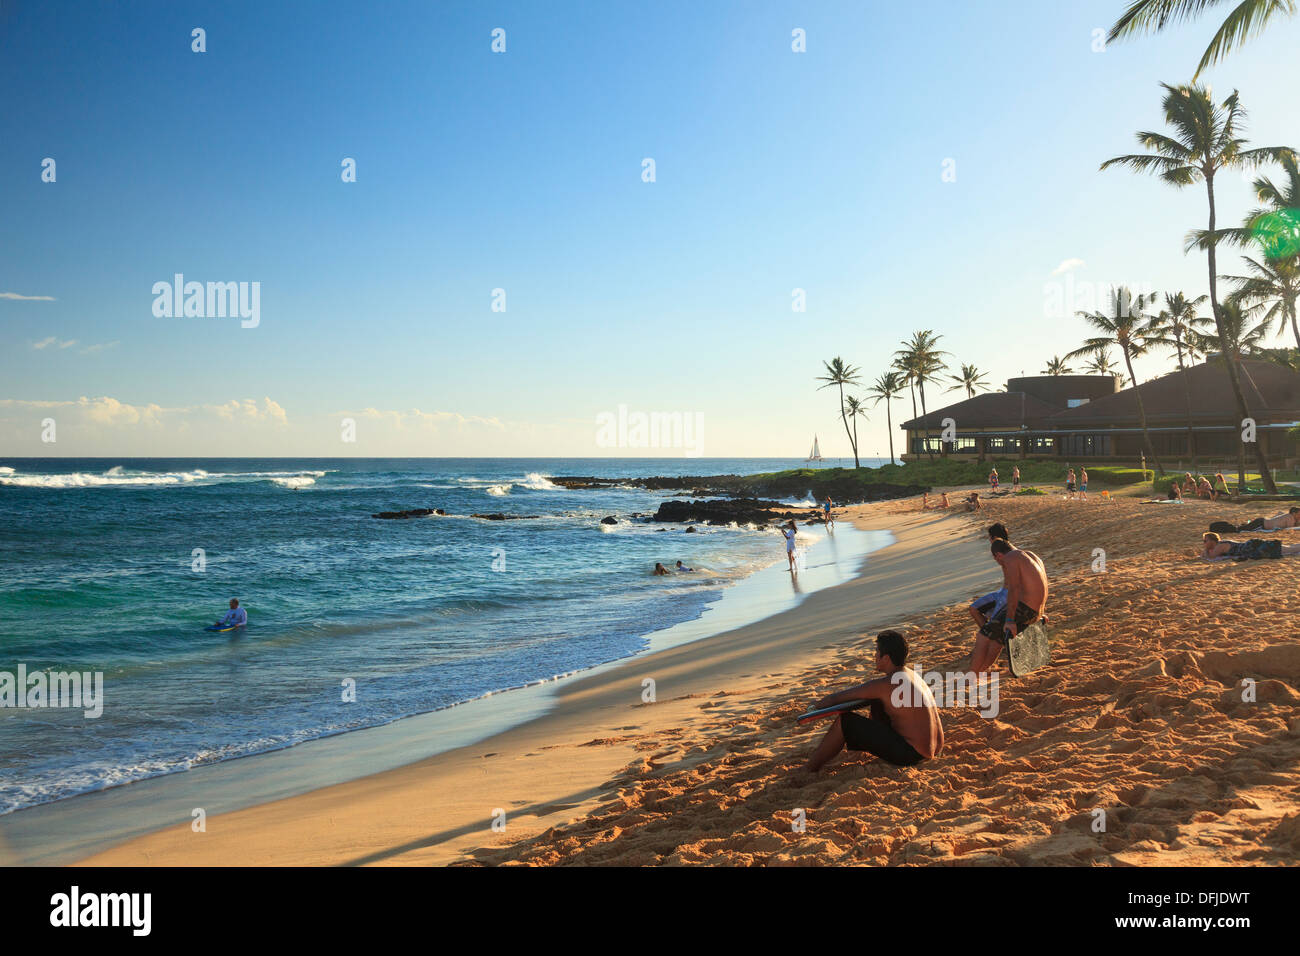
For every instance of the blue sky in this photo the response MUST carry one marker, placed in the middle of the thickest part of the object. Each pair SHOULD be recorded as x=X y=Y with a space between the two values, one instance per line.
x=523 y=171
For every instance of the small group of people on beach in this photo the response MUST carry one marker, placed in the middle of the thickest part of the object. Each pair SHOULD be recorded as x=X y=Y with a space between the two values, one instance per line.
x=995 y=481
x=1198 y=487
x=906 y=729
x=660 y=570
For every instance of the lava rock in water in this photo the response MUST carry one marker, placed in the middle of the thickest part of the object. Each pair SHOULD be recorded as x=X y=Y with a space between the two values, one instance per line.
x=609 y=520
x=501 y=516
x=412 y=513
x=690 y=530
x=722 y=511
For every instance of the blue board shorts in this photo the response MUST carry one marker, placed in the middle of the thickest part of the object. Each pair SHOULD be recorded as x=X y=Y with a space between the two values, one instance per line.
x=991 y=603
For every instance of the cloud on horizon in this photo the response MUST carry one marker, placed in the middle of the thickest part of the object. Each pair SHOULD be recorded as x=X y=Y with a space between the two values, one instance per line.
x=55 y=341
x=1068 y=265
x=27 y=298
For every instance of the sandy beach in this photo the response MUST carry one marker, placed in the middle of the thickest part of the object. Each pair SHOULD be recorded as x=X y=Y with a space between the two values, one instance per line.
x=1134 y=747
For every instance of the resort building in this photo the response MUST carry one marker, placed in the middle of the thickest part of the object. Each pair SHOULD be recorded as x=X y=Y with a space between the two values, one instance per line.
x=1090 y=417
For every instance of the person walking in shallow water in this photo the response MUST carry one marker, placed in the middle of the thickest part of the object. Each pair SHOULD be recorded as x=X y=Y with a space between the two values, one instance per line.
x=790 y=531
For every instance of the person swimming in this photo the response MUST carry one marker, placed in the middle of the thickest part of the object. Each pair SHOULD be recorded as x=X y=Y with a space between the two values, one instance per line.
x=681 y=567
x=236 y=616
x=659 y=569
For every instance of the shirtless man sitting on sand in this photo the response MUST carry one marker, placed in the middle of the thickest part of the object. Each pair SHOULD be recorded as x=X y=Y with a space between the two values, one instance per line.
x=1026 y=582
x=903 y=735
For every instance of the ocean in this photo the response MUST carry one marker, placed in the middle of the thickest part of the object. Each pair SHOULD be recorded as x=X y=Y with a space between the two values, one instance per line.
x=116 y=566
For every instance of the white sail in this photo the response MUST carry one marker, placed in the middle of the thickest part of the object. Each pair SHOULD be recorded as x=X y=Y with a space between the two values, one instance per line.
x=816 y=453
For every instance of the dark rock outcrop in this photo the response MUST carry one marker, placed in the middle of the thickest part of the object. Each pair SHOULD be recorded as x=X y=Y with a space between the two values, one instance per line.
x=412 y=513
x=724 y=511
x=501 y=516
x=609 y=520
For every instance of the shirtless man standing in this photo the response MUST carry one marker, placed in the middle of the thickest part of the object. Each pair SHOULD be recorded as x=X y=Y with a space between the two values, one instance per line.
x=1026 y=583
x=902 y=734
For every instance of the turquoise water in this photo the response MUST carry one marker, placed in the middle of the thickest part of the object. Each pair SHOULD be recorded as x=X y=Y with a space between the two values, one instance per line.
x=97 y=573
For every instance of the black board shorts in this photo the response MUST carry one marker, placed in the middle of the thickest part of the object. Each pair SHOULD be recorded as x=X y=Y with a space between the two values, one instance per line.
x=994 y=627
x=876 y=735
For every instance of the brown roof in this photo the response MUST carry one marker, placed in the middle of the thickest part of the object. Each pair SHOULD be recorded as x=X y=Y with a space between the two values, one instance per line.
x=1008 y=409
x=1272 y=392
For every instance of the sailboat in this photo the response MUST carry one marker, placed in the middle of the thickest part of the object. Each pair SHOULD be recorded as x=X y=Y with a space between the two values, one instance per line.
x=816 y=453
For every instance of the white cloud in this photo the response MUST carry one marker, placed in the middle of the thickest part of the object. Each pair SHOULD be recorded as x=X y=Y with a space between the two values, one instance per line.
x=99 y=347
x=55 y=341
x=27 y=298
x=1068 y=265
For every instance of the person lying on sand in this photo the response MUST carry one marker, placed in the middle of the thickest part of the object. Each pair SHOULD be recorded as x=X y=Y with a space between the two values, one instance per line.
x=1026 y=583
x=973 y=501
x=1287 y=519
x=1216 y=548
x=902 y=734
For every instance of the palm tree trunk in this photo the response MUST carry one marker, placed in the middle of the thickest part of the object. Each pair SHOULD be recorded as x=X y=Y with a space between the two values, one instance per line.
x=889 y=427
x=928 y=451
x=1142 y=415
x=856 y=463
x=1187 y=391
x=1233 y=378
x=911 y=387
x=844 y=418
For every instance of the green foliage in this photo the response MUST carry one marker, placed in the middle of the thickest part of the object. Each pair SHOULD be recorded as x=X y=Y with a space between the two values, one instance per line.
x=949 y=472
x=1030 y=491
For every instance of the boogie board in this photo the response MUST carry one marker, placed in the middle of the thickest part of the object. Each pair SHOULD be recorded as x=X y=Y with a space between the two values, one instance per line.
x=222 y=627
x=832 y=711
x=1029 y=650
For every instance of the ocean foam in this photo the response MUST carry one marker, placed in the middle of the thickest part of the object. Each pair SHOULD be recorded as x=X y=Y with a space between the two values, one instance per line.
x=498 y=490
x=539 y=482
x=117 y=476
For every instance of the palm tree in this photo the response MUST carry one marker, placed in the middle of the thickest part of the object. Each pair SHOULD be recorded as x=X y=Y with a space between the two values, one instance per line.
x=856 y=410
x=885 y=387
x=922 y=360
x=1057 y=366
x=1247 y=19
x=1101 y=363
x=1207 y=139
x=1239 y=336
x=1179 y=326
x=840 y=373
x=970 y=381
x=1129 y=329
x=1242 y=334
x=1276 y=226
x=1275 y=281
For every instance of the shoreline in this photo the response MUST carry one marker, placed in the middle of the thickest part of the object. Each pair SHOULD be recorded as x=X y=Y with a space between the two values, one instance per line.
x=72 y=827
x=374 y=819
